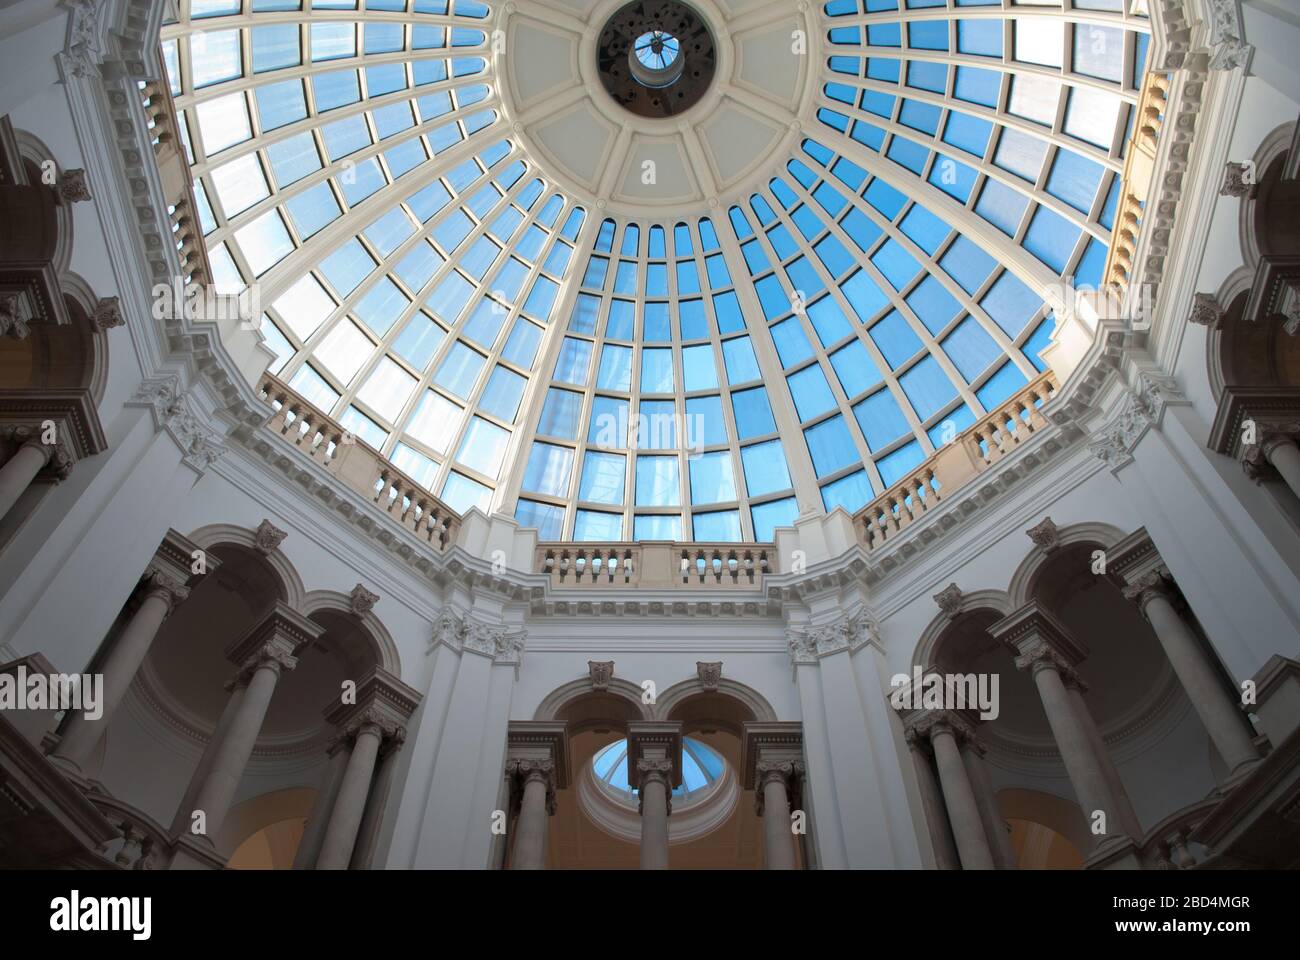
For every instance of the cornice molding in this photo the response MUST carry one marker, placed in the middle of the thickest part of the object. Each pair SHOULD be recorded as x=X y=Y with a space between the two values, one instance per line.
x=173 y=411
x=852 y=632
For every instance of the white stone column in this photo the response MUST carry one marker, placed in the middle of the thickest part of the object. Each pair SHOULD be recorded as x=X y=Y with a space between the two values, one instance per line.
x=313 y=834
x=959 y=798
x=936 y=815
x=536 y=804
x=1156 y=596
x=995 y=828
x=372 y=821
x=350 y=803
x=1044 y=647
x=774 y=784
x=231 y=756
x=1279 y=450
x=20 y=470
x=1091 y=786
x=161 y=593
x=656 y=804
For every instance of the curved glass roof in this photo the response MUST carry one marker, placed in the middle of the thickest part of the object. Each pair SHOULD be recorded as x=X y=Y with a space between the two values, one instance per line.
x=701 y=768
x=797 y=348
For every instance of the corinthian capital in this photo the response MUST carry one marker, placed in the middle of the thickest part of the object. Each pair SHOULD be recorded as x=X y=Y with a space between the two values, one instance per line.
x=161 y=585
x=1150 y=586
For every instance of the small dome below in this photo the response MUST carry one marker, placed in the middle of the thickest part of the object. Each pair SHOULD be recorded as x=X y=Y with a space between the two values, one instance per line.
x=702 y=767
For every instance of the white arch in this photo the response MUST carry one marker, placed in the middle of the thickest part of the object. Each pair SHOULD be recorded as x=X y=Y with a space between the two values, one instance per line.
x=746 y=696
x=381 y=643
x=1104 y=534
x=567 y=693
x=218 y=533
x=927 y=647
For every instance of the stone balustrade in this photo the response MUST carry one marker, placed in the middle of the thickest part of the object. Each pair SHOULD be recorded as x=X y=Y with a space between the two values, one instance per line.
x=995 y=435
x=1136 y=182
x=358 y=465
x=174 y=172
x=653 y=564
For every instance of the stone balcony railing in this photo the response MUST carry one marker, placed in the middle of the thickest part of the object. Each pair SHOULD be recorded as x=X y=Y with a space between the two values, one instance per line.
x=1136 y=182
x=976 y=449
x=358 y=465
x=652 y=564
x=177 y=184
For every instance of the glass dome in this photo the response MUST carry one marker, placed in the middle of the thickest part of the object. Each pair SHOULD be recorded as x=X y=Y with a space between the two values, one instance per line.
x=797 y=345
x=701 y=768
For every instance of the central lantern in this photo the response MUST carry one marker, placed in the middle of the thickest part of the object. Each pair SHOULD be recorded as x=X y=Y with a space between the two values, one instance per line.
x=656 y=57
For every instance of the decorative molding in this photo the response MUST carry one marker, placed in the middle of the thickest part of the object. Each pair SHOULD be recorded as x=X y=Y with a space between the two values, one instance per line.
x=1227 y=33
x=1238 y=180
x=709 y=674
x=601 y=672
x=949 y=600
x=172 y=411
x=72 y=187
x=106 y=315
x=361 y=600
x=1045 y=535
x=807 y=645
x=268 y=537
x=1206 y=311
x=83 y=51
x=1142 y=409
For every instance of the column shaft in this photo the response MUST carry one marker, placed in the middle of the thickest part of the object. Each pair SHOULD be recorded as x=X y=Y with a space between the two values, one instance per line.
x=121 y=665
x=19 y=471
x=1091 y=787
x=654 y=823
x=313 y=835
x=936 y=816
x=231 y=756
x=1004 y=857
x=1222 y=720
x=963 y=812
x=1285 y=458
x=530 y=840
x=350 y=803
x=778 y=841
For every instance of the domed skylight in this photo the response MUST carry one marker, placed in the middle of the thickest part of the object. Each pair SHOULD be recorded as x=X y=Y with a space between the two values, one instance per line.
x=841 y=275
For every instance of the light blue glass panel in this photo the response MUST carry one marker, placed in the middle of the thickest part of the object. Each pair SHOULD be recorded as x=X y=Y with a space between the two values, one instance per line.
x=719 y=527
x=970 y=348
x=573 y=362
x=927 y=387
x=547 y=518
x=831 y=446
x=521 y=347
x=881 y=420
x=851 y=492
x=560 y=414
x=419 y=340
x=1010 y=303
x=548 y=469
x=1001 y=385
x=704 y=422
x=461 y=493
x=657 y=527
x=603 y=476
x=812 y=394
x=657 y=483
x=608 y=429
x=895 y=339
x=501 y=396
x=895 y=465
x=656 y=370
x=765 y=468
x=597 y=526
x=458 y=370
x=855 y=368
x=768 y=516
x=698 y=369
x=712 y=480
x=753 y=413
x=615 y=368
